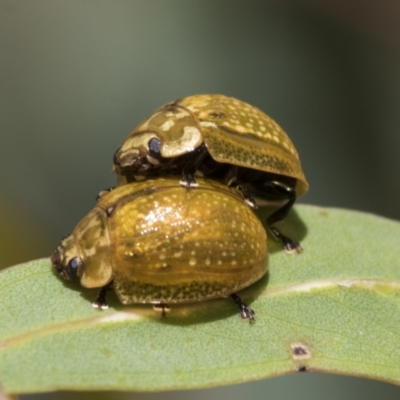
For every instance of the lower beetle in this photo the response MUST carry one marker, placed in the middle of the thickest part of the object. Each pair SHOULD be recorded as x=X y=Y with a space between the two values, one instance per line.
x=157 y=242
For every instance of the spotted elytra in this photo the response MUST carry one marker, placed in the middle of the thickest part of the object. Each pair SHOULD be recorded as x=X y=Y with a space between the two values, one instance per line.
x=160 y=243
x=221 y=138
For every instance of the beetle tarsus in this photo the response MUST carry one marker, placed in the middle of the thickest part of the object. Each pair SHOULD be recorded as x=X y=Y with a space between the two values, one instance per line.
x=188 y=181
x=101 y=303
x=247 y=197
x=245 y=311
x=291 y=246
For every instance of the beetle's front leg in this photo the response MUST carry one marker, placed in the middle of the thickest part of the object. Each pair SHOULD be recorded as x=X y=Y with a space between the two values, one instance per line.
x=192 y=164
x=101 y=303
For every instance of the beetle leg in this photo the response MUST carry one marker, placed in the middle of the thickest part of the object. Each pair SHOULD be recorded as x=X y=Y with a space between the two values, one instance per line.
x=247 y=197
x=286 y=192
x=104 y=192
x=101 y=303
x=194 y=161
x=290 y=245
x=231 y=180
x=163 y=308
x=245 y=311
x=188 y=181
x=231 y=176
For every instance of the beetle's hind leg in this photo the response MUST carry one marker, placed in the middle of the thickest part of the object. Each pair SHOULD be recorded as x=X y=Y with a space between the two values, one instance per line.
x=101 y=303
x=245 y=311
x=290 y=245
x=284 y=191
x=273 y=190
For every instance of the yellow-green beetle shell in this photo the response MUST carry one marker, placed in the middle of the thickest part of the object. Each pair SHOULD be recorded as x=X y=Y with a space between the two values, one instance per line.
x=162 y=243
x=234 y=132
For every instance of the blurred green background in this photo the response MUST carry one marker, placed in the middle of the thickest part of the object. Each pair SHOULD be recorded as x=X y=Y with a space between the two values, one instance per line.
x=77 y=76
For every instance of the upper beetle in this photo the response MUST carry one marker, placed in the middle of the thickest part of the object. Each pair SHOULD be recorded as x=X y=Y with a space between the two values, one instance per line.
x=221 y=138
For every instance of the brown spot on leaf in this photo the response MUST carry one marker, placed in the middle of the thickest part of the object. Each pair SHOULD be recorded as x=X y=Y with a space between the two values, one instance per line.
x=300 y=351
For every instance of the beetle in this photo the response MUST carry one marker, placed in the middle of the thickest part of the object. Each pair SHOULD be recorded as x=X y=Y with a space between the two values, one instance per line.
x=221 y=138
x=157 y=242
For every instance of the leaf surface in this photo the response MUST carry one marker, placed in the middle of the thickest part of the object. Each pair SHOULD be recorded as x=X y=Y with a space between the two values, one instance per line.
x=335 y=308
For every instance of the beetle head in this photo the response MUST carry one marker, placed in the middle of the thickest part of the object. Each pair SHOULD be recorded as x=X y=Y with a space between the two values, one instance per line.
x=138 y=156
x=66 y=259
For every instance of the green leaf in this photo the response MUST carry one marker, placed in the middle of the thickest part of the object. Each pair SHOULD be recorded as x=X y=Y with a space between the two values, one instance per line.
x=335 y=307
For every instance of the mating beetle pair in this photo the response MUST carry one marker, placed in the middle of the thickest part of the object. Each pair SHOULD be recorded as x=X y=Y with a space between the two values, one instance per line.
x=167 y=235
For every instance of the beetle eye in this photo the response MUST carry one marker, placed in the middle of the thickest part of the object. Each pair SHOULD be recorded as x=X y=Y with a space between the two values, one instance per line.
x=72 y=267
x=154 y=148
